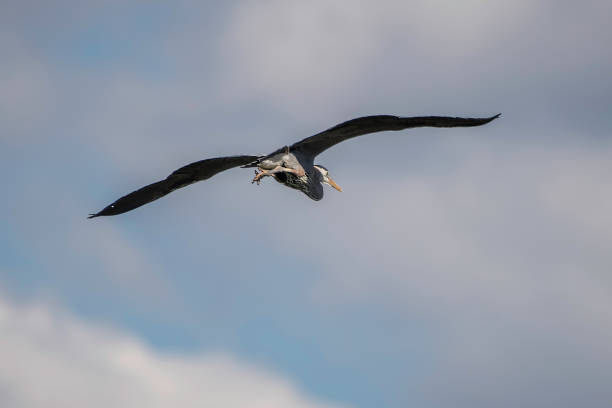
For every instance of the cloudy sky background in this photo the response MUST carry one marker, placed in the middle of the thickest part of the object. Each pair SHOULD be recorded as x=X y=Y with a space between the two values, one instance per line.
x=459 y=267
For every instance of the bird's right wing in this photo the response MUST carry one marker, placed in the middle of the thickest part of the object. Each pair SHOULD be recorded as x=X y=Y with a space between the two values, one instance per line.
x=316 y=144
x=189 y=174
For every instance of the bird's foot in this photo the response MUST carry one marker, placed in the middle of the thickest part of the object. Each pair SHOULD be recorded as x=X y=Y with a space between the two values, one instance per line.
x=258 y=176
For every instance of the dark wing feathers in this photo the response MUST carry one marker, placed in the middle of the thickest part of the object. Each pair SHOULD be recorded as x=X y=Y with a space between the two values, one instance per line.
x=316 y=144
x=189 y=174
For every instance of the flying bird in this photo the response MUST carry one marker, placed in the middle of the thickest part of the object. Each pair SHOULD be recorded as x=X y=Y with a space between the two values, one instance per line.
x=292 y=165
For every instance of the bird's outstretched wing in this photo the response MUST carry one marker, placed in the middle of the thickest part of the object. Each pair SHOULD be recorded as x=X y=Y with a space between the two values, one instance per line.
x=189 y=174
x=316 y=144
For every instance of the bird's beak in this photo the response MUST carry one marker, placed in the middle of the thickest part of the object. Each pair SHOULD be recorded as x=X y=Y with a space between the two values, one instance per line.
x=333 y=184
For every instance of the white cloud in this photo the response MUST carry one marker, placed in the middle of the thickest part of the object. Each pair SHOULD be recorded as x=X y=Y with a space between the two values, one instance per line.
x=299 y=54
x=27 y=96
x=506 y=253
x=283 y=49
x=485 y=223
x=50 y=359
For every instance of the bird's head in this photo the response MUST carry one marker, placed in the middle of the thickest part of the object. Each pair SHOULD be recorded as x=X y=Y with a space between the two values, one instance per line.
x=326 y=179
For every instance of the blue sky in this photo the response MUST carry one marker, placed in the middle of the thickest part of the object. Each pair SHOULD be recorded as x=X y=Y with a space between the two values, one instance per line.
x=459 y=267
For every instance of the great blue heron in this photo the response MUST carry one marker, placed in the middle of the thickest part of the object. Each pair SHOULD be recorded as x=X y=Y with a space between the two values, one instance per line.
x=292 y=165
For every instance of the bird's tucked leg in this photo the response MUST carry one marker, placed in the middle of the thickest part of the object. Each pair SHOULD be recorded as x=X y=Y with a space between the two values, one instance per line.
x=278 y=169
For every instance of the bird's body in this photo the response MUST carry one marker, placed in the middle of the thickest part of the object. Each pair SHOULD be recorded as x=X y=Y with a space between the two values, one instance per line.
x=292 y=166
x=292 y=169
x=309 y=183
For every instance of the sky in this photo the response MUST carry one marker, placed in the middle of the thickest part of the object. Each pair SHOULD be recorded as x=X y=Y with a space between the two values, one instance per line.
x=458 y=268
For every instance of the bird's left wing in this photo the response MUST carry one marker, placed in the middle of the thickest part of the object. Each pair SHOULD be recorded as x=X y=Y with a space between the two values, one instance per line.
x=189 y=174
x=316 y=144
